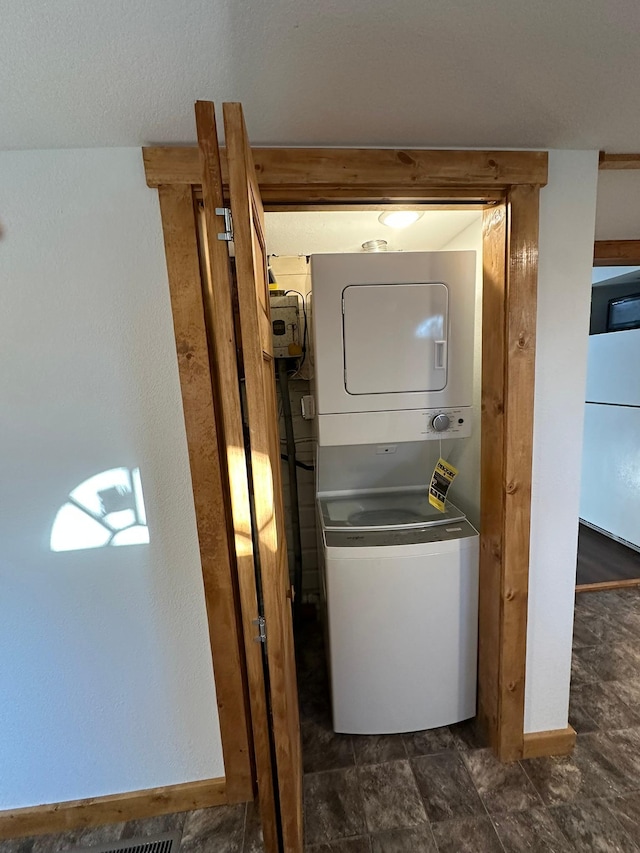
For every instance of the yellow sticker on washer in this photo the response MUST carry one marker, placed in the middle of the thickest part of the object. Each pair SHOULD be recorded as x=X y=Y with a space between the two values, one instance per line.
x=443 y=475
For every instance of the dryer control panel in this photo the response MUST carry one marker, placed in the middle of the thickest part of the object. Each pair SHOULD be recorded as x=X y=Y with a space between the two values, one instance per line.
x=385 y=427
x=447 y=423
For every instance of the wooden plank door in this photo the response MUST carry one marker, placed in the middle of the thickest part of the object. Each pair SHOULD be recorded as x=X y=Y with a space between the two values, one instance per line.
x=218 y=309
x=262 y=416
x=272 y=680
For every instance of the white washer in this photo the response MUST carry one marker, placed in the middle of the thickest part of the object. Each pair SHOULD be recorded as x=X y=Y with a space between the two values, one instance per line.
x=400 y=589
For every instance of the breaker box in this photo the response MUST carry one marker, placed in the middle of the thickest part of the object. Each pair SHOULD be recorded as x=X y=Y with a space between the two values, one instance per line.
x=285 y=325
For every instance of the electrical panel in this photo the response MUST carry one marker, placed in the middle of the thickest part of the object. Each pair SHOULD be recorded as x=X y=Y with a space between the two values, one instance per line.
x=285 y=325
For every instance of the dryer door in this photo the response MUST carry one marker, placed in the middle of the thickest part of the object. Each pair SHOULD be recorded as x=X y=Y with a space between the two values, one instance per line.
x=395 y=338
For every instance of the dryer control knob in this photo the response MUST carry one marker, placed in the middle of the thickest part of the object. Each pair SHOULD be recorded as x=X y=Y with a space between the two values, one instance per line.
x=441 y=422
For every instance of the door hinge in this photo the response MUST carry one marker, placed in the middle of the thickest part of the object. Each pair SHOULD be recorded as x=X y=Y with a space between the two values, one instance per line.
x=227 y=234
x=261 y=622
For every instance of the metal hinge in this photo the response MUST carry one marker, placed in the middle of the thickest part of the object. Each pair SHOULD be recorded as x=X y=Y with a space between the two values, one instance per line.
x=227 y=234
x=261 y=622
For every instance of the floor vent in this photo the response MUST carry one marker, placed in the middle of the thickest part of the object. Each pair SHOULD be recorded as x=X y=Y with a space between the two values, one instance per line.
x=167 y=842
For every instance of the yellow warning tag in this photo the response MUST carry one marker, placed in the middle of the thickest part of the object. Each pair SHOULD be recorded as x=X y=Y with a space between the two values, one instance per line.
x=443 y=475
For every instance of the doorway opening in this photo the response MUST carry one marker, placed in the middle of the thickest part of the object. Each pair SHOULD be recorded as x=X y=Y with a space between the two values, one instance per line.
x=609 y=536
x=505 y=186
x=605 y=667
x=292 y=237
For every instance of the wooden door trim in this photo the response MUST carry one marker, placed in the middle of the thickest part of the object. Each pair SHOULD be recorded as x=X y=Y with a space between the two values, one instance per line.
x=113 y=808
x=210 y=492
x=509 y=321
x=519 y=379
x=601 y=586
x=301 y=174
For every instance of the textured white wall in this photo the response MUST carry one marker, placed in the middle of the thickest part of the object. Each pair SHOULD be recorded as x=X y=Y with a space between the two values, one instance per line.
x=106 y=676
x=618 y=211
x=567 y=216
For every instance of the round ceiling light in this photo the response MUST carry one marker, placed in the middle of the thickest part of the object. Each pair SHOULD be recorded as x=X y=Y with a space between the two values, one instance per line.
x=399 y=218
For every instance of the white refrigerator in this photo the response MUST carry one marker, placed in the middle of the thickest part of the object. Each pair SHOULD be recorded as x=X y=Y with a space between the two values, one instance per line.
x=610 y=494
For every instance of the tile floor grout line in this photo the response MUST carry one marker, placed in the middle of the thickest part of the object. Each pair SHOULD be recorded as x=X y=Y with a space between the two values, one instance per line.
x=580 y=803
x=364 y=812
x=531 y=782
x=429 y=821
x=433 y=835
x=484 y=805
x=546 y=807
x=244 y=827
x=620 y=824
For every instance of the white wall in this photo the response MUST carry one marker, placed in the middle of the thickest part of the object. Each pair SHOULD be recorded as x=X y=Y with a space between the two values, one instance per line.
x=567 y=216
x=618 y=211
x=106 y=676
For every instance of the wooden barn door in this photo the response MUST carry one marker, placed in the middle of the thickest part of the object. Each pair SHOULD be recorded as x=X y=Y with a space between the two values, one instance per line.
x=278 y=757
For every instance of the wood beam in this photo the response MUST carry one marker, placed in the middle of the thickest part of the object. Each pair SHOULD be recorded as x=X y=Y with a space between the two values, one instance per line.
x=619 y=161
x=616 y=253
x=326 y=171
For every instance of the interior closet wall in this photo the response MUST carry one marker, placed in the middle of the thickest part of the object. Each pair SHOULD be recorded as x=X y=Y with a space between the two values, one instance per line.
x=465 y=454
x=106 y=668
x=292 y=273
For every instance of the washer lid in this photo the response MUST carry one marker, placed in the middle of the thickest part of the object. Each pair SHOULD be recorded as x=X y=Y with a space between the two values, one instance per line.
x=457 y=530
x=384 y=511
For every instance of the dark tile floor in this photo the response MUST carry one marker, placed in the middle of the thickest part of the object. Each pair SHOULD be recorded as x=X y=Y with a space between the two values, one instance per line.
x=442 y=791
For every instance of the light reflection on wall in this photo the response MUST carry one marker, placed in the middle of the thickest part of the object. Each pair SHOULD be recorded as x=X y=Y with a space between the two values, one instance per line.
x=106 y=509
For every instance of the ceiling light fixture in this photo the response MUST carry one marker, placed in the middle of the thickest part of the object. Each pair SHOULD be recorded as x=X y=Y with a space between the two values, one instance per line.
x=399 y=218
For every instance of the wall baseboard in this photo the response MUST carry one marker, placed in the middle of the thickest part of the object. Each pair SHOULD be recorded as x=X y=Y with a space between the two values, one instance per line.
x=604 y=585
x=554 y=742
x=114 y=808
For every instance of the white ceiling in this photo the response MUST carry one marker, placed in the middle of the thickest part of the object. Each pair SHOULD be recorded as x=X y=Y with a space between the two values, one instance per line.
x=504 y=73
x=343 y=231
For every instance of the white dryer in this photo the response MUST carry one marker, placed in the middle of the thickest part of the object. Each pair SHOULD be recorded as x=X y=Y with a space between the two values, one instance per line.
x=394 y=340
x=400 y=595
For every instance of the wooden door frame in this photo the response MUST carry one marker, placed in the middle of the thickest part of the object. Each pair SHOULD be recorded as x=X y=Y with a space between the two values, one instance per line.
x=505 y=185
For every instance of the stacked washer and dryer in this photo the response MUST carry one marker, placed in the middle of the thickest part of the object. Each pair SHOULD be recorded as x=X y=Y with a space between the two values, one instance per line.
x=393 y=337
